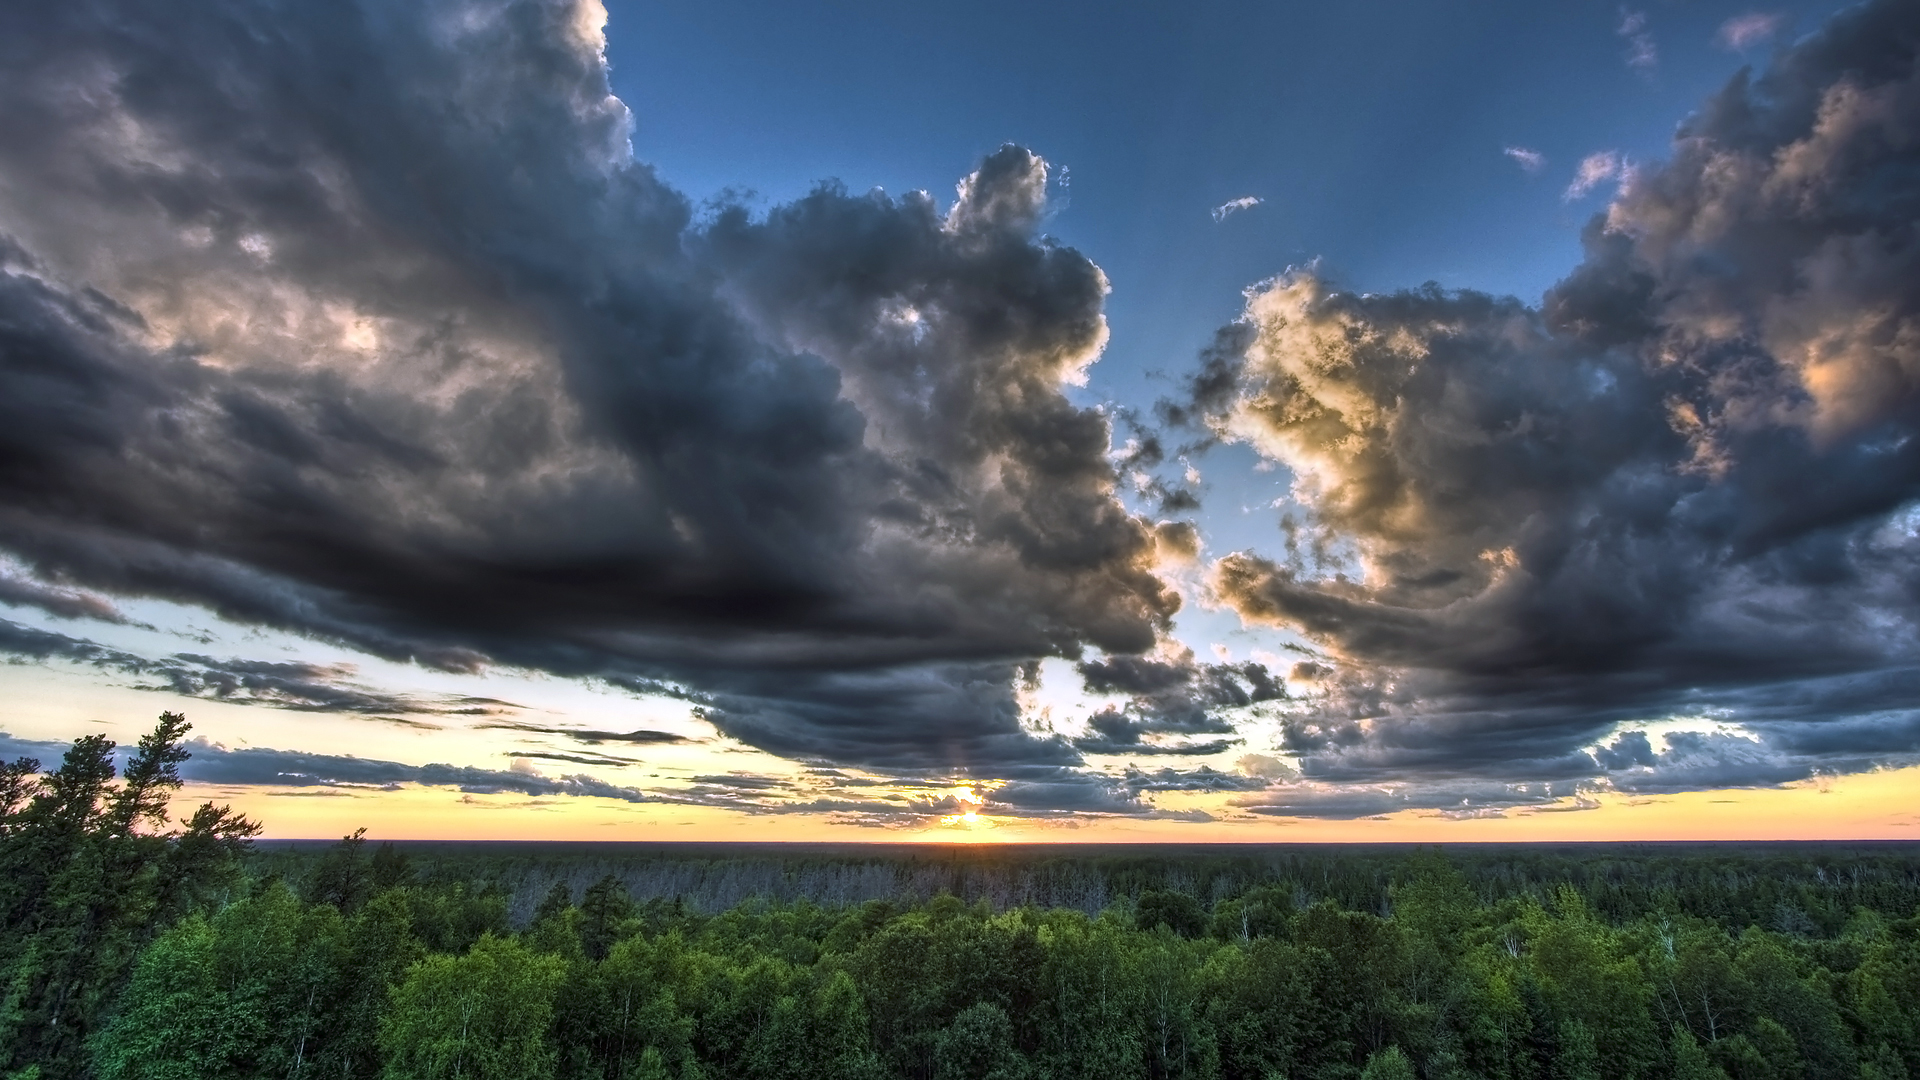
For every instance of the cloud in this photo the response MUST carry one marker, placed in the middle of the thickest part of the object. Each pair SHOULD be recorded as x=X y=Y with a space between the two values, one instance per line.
x=1742 y=32
x=1200 y=779
x=1686 y=484
x=1643 y=54
x=32 y=643
x=212 y=763
x=46 y=753
x=575 y=759
x=1233 y=206
x=302 y=687
x=1171 y=694
x=1596 y=169
x=373 y=328
x=1266 y=767
x=64 y=603
x=591 y=737
x=1529 y=160
x=298 y=686
x=1693 y=760
x=1040 y=793
x=1450 y=799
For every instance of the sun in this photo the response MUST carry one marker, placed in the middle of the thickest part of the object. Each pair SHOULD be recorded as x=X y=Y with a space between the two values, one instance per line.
x=967 y=816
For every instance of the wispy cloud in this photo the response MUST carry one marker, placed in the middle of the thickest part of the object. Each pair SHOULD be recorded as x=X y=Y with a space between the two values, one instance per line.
x=1530 y=160
x=1742 y=32
x=1234 y=206
x=300 y=687
x=1642 y=54
x=591 y=738
x=1597 y=169
x=20 y=588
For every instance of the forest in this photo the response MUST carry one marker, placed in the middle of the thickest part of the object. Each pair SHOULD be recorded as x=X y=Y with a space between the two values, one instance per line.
x=133 y=945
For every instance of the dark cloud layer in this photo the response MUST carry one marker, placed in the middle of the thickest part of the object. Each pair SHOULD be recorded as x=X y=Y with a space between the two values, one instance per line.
x=61 y=603
x=1682 y=486
x=247 y=766
x=362 y=321
x=1171 y=694
x=295 y=685
x=1049 y=794
x=587 y=735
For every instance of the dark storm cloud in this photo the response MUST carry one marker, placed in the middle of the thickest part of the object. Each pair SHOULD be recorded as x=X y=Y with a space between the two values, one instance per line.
x=212 y=763
x=258 y=766
x=1170 y=695
x=1048 y=792
x=1200 y=779
x=56 y=601
x=575 y=759
x=1115 y=732
x=302 y=687
x=45 y=752
x=299 y=686
x=362 y=321
x=1067 y=794
x=31 y=643
x=1701 y=759
x=641 y=736
x=1346 y=802
x=1683 y=486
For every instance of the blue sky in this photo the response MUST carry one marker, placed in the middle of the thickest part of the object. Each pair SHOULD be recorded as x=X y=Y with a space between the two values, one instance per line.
x=1372 y=131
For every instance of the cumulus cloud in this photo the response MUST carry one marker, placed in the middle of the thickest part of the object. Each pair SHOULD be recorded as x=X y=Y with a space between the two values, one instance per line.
x=1530 y=160
x=1266 y=766
x=1171 y=694
x=1743 y=32
x=1693 y=760
x=1686 y=484
x=372 y=327
x=1233 y=206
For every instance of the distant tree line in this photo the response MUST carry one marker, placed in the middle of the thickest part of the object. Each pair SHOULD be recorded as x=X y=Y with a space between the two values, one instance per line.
x=175 y=959
x=1809 y=889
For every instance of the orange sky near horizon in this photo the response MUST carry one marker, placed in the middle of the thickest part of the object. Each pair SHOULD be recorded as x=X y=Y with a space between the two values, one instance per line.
x=58 y=704
x=1881 y=805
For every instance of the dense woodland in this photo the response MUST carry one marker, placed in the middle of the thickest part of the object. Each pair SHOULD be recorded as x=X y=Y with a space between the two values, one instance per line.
x=133 y=946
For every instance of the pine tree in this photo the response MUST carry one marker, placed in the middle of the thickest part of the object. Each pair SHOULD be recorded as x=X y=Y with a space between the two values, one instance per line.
x=90 y=872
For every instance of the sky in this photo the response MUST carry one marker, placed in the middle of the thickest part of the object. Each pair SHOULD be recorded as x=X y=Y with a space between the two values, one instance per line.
x=1201 y=422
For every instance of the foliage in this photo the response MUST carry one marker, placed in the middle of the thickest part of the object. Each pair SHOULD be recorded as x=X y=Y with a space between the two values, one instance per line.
x=484 y=1014
x=398 y=963
x=90 y=870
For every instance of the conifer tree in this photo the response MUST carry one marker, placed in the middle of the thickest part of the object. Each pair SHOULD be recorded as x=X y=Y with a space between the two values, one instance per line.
x=90 y=872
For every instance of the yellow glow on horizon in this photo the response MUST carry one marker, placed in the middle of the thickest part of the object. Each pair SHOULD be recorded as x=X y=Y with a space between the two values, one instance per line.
x=1870 y=806
x=58 y=703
